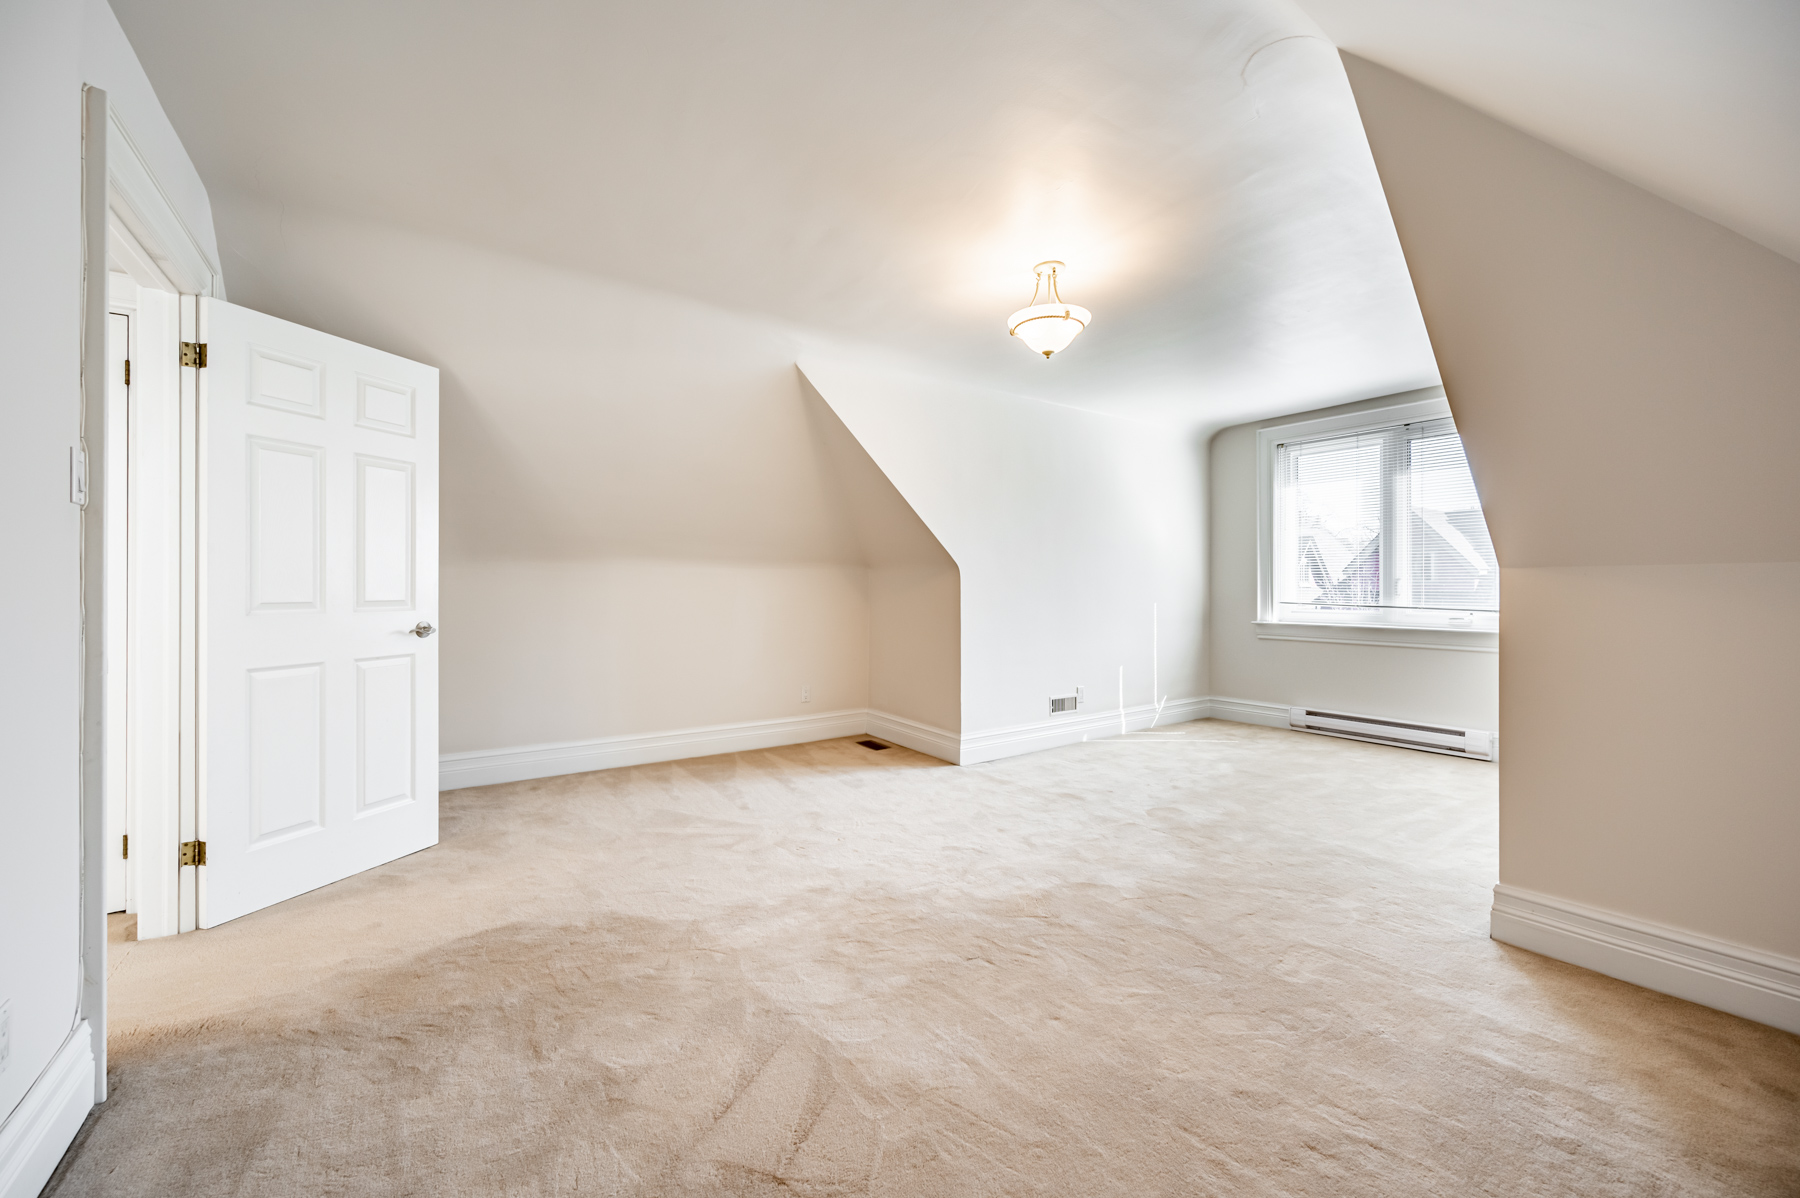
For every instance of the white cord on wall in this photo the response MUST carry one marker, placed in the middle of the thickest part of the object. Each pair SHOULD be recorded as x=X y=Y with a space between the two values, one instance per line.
x=1155 y=676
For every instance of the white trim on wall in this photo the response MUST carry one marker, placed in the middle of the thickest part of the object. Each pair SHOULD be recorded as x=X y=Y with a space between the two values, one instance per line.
x=484 y=767
x=143 y=224
x=923 y=738
x=1392 y=636
x=996 y=743
x=1714 y=973
x=35 y=1135
x=145 y=209
x=1247 y=711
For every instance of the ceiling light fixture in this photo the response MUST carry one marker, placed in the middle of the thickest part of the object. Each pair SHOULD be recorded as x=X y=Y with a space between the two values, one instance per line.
x=1049 y=326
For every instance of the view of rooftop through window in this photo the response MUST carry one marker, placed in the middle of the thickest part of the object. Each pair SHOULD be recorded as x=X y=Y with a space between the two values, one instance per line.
x=1383 y=522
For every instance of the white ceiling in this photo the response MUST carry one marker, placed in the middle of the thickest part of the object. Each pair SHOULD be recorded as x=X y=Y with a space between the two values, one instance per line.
x=880 y=173
x=1696 y=100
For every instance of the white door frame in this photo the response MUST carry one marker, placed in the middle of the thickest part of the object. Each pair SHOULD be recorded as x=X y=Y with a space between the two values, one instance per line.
x=117 y=186
x=121 y=338
x=92 y=455
x=165 y=890
x=143 y=485
x=139 y=201
x=147 y=239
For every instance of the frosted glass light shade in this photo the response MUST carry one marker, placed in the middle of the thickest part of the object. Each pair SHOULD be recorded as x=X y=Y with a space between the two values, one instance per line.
x=1047 y=328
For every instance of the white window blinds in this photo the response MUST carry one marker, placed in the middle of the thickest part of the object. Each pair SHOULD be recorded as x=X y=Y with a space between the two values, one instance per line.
x=1382 y=524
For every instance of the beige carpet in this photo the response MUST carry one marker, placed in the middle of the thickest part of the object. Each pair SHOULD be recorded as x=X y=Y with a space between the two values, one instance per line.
x=1227 y=961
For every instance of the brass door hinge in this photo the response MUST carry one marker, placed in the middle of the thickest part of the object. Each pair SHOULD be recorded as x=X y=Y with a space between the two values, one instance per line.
x=193 y=353
x=125 y=846
x=193 y=852
x=128 y=372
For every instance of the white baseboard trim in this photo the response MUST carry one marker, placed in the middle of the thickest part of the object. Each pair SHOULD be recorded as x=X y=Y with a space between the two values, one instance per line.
x=1246 y=711
x=922 y=738
x=1074 y=728
x=484 y=767
x=37 y=1133
x=1729 y=977
x=1182 y=711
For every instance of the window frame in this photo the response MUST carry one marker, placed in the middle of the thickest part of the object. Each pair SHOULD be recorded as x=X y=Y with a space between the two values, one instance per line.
x=1413 y=408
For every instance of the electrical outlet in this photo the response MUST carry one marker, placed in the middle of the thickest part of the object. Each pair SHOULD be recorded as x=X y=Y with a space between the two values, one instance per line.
x=5 y=1035
x=806 y=694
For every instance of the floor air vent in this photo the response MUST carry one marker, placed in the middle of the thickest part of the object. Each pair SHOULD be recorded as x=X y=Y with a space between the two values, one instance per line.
x=1458 y=742
x=871 y=744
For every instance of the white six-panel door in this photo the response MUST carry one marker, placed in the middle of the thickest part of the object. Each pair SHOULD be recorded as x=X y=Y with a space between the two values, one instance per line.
x=318 y=702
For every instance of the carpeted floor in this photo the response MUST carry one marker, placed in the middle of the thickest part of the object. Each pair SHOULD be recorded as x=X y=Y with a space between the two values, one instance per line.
x=1223 y=960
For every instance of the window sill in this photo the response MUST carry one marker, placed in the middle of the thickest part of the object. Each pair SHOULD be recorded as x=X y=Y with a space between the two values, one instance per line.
x=1397 y=636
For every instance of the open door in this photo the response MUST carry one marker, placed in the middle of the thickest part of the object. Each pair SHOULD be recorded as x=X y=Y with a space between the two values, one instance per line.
x=317 y=592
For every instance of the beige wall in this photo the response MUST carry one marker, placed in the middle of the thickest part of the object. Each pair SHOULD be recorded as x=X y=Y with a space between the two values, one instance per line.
x=1626 y=376
x=914 y=587
x=543 y=652
x=915 y=643
x=1441 y=686
x=640 y=531
x=1650 y=765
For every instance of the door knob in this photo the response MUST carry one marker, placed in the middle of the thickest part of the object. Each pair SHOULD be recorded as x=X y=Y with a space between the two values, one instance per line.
x=421 y=630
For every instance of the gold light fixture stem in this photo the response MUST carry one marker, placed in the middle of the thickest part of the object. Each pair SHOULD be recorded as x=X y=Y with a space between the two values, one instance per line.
x=1043 y=283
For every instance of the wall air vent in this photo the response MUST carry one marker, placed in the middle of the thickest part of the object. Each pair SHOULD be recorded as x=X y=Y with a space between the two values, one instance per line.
x=1066 y=703
x=1458 y=742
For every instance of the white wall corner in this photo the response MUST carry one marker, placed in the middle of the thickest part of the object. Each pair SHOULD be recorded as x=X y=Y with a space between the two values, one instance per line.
x=1246 y=711
x=38 y=1132
x=1728 y=977
x=921 y=738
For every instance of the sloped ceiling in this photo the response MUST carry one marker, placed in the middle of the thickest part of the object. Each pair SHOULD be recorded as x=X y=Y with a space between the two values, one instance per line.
x=885 y=174
x=1563 y=297
x=1695 y=100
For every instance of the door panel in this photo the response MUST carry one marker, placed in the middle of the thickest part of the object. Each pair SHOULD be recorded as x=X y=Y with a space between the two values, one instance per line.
x=384 y=406
x=384 y=733
x=318 y=706
x=287 y=752
x=384 y=494
x=287 y=525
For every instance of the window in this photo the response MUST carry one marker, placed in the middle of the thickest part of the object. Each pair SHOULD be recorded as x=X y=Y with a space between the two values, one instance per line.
x=1372 y=519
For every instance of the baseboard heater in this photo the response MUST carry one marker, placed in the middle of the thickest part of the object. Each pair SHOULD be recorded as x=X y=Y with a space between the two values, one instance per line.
x=1458 y=742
